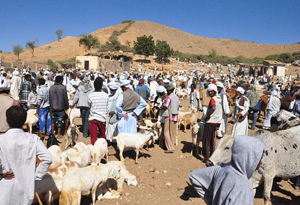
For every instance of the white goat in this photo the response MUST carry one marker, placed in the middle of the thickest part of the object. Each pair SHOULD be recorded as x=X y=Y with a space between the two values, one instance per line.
x=67 y=154
x=197 y=136
x=99 y=150
x=80 y=146
x=83 y=157
x=62 y=168
x=72 y=133
x=134 y=140
x=73 y=113
x=56 y=154
x=84 y=181
x=31 y=120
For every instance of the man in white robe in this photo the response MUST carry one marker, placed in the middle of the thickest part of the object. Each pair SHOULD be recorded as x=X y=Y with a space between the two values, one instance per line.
x=273 y=107
x=225 y=107
x=129 y=105
x=18 y=151
x=240 y=112
x=15 y=85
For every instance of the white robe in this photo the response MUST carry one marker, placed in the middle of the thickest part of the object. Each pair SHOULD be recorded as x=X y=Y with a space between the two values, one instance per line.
x=128 y=125
x=15 y=86
x=153 y=86
x=240 y=128
x=18 y=151
x=226 y=110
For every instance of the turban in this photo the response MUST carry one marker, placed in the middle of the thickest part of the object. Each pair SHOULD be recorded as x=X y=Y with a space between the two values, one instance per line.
x=219 y=84
x=125 y=83
x=212 y=87
x=160 y=89
x=166 y=81
x=113 y=85
x=240 y=90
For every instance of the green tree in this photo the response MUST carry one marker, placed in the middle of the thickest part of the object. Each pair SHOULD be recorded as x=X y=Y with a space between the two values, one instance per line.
x=17 y=50
x=89 y=42
x=52 y=64
x=31 y=45
x=286 y=57
x=163 y=49
x=144 y=46
x=59 y=33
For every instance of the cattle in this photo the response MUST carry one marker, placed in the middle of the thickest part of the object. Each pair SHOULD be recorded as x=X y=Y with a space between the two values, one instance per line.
x=264 y=99
x=284 y=120
x=281 y=157
x=231 y=93
x=285 y=103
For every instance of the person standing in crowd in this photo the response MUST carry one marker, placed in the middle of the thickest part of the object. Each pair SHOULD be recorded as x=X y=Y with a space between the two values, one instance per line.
x=81 y=99
x=98 y=103
x=195 y=98
x=144 y=92
x=230 y=184
x=59 y=103
x=15 y=85
x=296 y=107
x=170 y=117
x=204 y=97
x=254 y=104
x=273 y=107
x=129 y=105
x=18 y=152
x=43 y=107
x=24 y=91
x=4 y=82
x=225 y=108
x=32 y=98
x=112 y=129
x=240 y=112
x=213 y=119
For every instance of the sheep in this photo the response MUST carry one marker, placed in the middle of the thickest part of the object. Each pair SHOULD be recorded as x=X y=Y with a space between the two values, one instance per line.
x=197 y=136
x=73 y=133
x=99 y=150
x=112 y=189
x=83 y=157
x=80 y=146
x=189 y=119
x=136 y=140
x=67 y=154
x=84 y=181
x=56 y=154
x=48 y=189
x=31 y=120
x=62 y=168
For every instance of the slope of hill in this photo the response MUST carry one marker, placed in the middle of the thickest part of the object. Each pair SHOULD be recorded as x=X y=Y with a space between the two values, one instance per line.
x=68 y=47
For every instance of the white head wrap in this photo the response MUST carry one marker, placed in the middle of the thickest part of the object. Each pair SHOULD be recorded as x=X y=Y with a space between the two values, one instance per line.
x=219 y=84
x=240 y=90
x=16 y=73
x=160 y=89
x=113 y=85
x=166 y=81
x=212 y=87
x=125 y=83
x=274 y=93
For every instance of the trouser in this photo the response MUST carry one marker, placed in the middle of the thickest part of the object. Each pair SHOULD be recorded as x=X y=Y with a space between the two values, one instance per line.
x=255 y=112
x=94 y=126
x=45 y=121
x=24 y=105
x=170 y=134
x=204 y=108
x=209 y=140
x=85 y=112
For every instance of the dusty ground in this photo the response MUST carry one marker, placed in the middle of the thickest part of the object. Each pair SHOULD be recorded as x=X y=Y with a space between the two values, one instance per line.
x=163 y=178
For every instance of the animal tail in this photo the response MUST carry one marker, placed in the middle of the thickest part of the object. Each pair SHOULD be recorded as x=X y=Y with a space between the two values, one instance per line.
x=65 y=197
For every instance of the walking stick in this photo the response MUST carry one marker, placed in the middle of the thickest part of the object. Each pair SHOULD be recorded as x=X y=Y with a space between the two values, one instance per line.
x=38 y=198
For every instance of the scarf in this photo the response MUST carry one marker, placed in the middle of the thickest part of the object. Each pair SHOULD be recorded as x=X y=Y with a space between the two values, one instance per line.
x=253 y=96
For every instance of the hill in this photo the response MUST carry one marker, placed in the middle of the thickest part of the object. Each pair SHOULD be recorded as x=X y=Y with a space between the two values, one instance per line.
x=68 y=47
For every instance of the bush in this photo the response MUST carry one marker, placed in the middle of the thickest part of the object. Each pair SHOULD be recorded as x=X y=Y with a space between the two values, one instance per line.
x=52 y=64
x=128 y=21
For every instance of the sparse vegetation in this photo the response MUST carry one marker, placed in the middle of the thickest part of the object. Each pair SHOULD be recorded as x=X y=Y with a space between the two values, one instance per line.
x=17 y=50
x=163 y=49
x=128 y=21
x=59 y=33
x=70 y=60
x=31 y=45
x=144 y=46
x=89 y=42
x=52 y=64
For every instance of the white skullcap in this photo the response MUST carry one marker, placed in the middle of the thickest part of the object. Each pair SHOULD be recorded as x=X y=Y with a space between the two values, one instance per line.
x=240 y=90
x=274 y=92
x=16 y=73
x=113 y=85
x=212 y=87
x=166 y=81
x=125 y=83
x=122 y=77
x=160 y=89
x=219 y=84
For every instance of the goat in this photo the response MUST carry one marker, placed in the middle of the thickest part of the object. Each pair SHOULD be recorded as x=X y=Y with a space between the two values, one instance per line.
x=80 y=146
x=67 y=154
x=84 y=181
x=197 y=136
x=73 y=133
x=73 y=113
x=31 y=120
x=149 y=109
x=83 y=157
x=99 y=150
x=56 y=154
x=189 y=119
x=62 y=168
x=52 y=141
x=134 y=140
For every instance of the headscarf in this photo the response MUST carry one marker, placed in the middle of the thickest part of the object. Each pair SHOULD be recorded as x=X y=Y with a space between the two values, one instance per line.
x=212 y=87
x=253 y=96
x=141 y=82
x=240 y=90
x=113 y=85
x=86 y=85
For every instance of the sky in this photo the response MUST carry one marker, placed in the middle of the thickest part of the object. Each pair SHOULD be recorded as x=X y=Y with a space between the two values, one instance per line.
x=259 y=21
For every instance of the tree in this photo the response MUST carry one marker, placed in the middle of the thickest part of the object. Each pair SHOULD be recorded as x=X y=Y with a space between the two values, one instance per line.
x=89 y=42
x=17 y=50
x=31 y=45
x=163 y=50
x=144 y=45
x=286 y=57
x=59 y=33
x=52 y=64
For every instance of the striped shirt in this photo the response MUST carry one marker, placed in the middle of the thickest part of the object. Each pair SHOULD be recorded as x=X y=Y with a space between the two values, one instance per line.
x=98 y=103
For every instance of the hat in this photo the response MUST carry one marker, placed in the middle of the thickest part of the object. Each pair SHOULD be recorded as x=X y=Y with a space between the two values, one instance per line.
x=113 y=85
x=212 y=87
x=219 y=84
x=170 y=87
x=160 y=89
x=166 y=81
x=240 y=90
x=274 y=92
x=125 y=83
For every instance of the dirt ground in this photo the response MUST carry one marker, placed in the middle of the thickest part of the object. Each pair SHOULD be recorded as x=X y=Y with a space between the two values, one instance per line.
x=163 y=178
